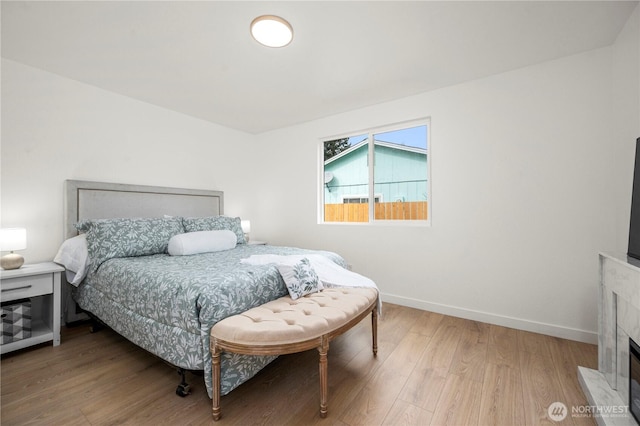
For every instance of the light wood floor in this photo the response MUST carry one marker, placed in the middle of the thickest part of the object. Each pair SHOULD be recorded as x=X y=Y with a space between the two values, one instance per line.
x=430 y=369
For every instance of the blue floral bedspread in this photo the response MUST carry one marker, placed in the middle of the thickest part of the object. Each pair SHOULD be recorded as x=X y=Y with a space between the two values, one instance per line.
x=168 y=304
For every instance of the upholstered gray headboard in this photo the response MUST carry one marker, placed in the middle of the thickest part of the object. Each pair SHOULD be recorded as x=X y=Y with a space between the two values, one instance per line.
x=101 y=200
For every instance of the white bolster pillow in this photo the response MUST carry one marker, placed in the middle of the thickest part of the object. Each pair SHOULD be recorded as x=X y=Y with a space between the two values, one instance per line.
x=201 y=242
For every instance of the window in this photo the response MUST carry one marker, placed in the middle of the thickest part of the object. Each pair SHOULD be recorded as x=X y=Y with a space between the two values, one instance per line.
x=356 y=199
x=398 y=180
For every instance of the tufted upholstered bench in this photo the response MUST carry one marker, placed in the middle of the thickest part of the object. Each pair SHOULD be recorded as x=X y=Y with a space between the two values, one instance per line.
x=286 y=326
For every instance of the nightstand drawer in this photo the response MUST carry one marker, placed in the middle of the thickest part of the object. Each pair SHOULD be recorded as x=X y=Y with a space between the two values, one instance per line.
x=23 y=287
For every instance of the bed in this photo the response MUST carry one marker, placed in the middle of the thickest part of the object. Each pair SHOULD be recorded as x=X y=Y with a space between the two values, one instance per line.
x=167 y=304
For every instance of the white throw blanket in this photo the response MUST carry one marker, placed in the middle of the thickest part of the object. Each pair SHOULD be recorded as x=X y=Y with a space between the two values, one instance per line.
x=329 y=273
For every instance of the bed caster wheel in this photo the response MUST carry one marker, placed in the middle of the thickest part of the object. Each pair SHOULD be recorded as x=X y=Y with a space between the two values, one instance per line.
x=183 y=390
x=95 y=326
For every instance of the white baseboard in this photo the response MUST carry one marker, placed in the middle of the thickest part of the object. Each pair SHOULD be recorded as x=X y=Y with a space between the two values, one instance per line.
x=505 y=321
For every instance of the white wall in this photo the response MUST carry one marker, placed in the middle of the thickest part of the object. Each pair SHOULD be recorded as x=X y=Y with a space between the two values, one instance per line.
x=522 y=203
x=54 y=129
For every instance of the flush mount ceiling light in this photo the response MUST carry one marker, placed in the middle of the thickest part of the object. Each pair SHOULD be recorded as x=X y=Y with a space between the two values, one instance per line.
x=271 y=31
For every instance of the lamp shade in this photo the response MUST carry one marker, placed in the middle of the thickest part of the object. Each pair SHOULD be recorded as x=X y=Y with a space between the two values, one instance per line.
x=13 y=239
x=246 y=226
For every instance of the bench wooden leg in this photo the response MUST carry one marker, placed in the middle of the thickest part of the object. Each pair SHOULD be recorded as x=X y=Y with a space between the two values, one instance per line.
x=324 y=386
x=215 y=377
x=374 y=330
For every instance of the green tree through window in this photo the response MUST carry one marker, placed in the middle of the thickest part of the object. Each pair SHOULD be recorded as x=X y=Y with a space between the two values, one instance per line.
x=335 y=147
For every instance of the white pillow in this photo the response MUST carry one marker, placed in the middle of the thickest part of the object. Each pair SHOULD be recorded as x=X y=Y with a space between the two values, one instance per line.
x=74 y=256
x=201 y=242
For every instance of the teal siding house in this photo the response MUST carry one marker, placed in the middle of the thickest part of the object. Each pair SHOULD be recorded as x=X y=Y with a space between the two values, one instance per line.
x=400 y=174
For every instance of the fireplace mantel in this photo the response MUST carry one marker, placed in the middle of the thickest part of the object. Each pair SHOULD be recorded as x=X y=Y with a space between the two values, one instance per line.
x=618 y=320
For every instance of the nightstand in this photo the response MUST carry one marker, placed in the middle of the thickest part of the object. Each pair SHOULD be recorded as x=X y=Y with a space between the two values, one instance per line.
x=40 y=283
x=257 y=243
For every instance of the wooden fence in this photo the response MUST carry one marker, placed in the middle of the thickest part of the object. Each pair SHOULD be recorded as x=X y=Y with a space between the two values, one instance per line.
x=359 y=212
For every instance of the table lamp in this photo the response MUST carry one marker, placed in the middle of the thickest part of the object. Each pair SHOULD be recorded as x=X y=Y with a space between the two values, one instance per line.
x=246 y=228
x=12 y=239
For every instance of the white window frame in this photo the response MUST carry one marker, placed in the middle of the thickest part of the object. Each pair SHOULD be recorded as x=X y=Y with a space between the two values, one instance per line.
x=426 y=121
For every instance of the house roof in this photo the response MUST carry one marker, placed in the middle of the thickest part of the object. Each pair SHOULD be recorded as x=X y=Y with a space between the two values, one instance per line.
x=376 y=142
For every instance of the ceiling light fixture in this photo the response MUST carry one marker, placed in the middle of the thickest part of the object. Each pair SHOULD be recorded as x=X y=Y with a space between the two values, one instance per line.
x=271 y=31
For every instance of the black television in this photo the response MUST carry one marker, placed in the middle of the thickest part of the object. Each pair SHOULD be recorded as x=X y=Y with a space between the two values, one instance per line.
x=634 y=223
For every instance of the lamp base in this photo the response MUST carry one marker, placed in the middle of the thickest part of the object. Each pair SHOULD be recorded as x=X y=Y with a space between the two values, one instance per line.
x=11 y=261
